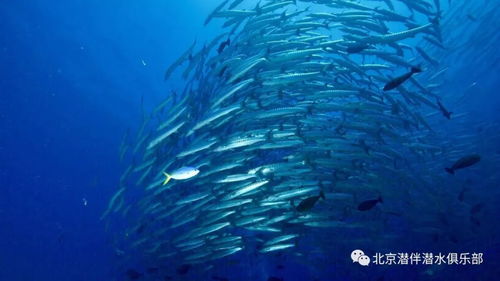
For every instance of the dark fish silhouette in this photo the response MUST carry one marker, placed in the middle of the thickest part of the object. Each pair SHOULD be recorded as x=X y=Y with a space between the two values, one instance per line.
x=141 y=228
x=223 y=45
x=471 y=17
x=133 y=275
x=476 y=208
x=357 y=47
x=308 y=203
x=445 y=112
x=394 y=83
x=463 y=162
x=219 y=278
x=461 y=196
x=183 y=269
x=475 y=221
x=222 y=71
x=364 y=146
x=369 y=204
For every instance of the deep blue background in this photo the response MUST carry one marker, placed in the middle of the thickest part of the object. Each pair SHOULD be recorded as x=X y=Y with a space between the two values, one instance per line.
x=72 y=76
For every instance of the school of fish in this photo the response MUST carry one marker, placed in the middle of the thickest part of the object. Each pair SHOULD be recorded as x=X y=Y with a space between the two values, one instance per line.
x=302 y=119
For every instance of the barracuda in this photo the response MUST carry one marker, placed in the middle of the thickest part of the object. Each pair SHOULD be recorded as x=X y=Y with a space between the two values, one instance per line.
x=291 y=55
x=209 y=229
x=192 y=198
x=200 y=147
x=237 y=143
x=222 y=112
x=280 y=239
x=229 y=204
x=280 y=112
x=248 y=220
x=230 y=91
x=171 y=120
x=277 y=247
x=290 y=78
x=290 y=194
x=394 y=37
x=243 y=69
x=214 y=217
x=244 y=190
x=165 y=135
x=235 y=178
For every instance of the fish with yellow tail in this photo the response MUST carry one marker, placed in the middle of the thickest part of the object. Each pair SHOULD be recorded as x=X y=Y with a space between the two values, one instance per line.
x=183 y=173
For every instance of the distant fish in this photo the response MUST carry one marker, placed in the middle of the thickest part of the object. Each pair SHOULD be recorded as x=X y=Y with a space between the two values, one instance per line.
x=183 y=269
x=364 y=146
x=426 y=56
x=445 y=112
x=463 y=162
x=133 y=275
x=369 y=204
x=357 y=47
x=471 y=17
x=307 y=204
x=219 y=278
x=394 y=83
x=476 y=208
x=461 y=196
x=223 y=45
x=475 y=221
x=181 y=174
x=141 y=228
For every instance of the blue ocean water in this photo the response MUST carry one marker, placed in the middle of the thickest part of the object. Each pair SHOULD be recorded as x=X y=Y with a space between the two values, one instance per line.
x=76 y=75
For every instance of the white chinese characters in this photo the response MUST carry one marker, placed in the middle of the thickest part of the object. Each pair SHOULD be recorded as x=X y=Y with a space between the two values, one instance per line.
x=428 y=259
x=425 y=258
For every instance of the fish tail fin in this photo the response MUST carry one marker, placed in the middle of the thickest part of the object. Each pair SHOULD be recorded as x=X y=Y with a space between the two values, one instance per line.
x=416 y=69
x=435 y=20
x=450 y=171
x=283 y=15
x=266 y=54
x=258 y=9
x=322 y=195
x=167 y=178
